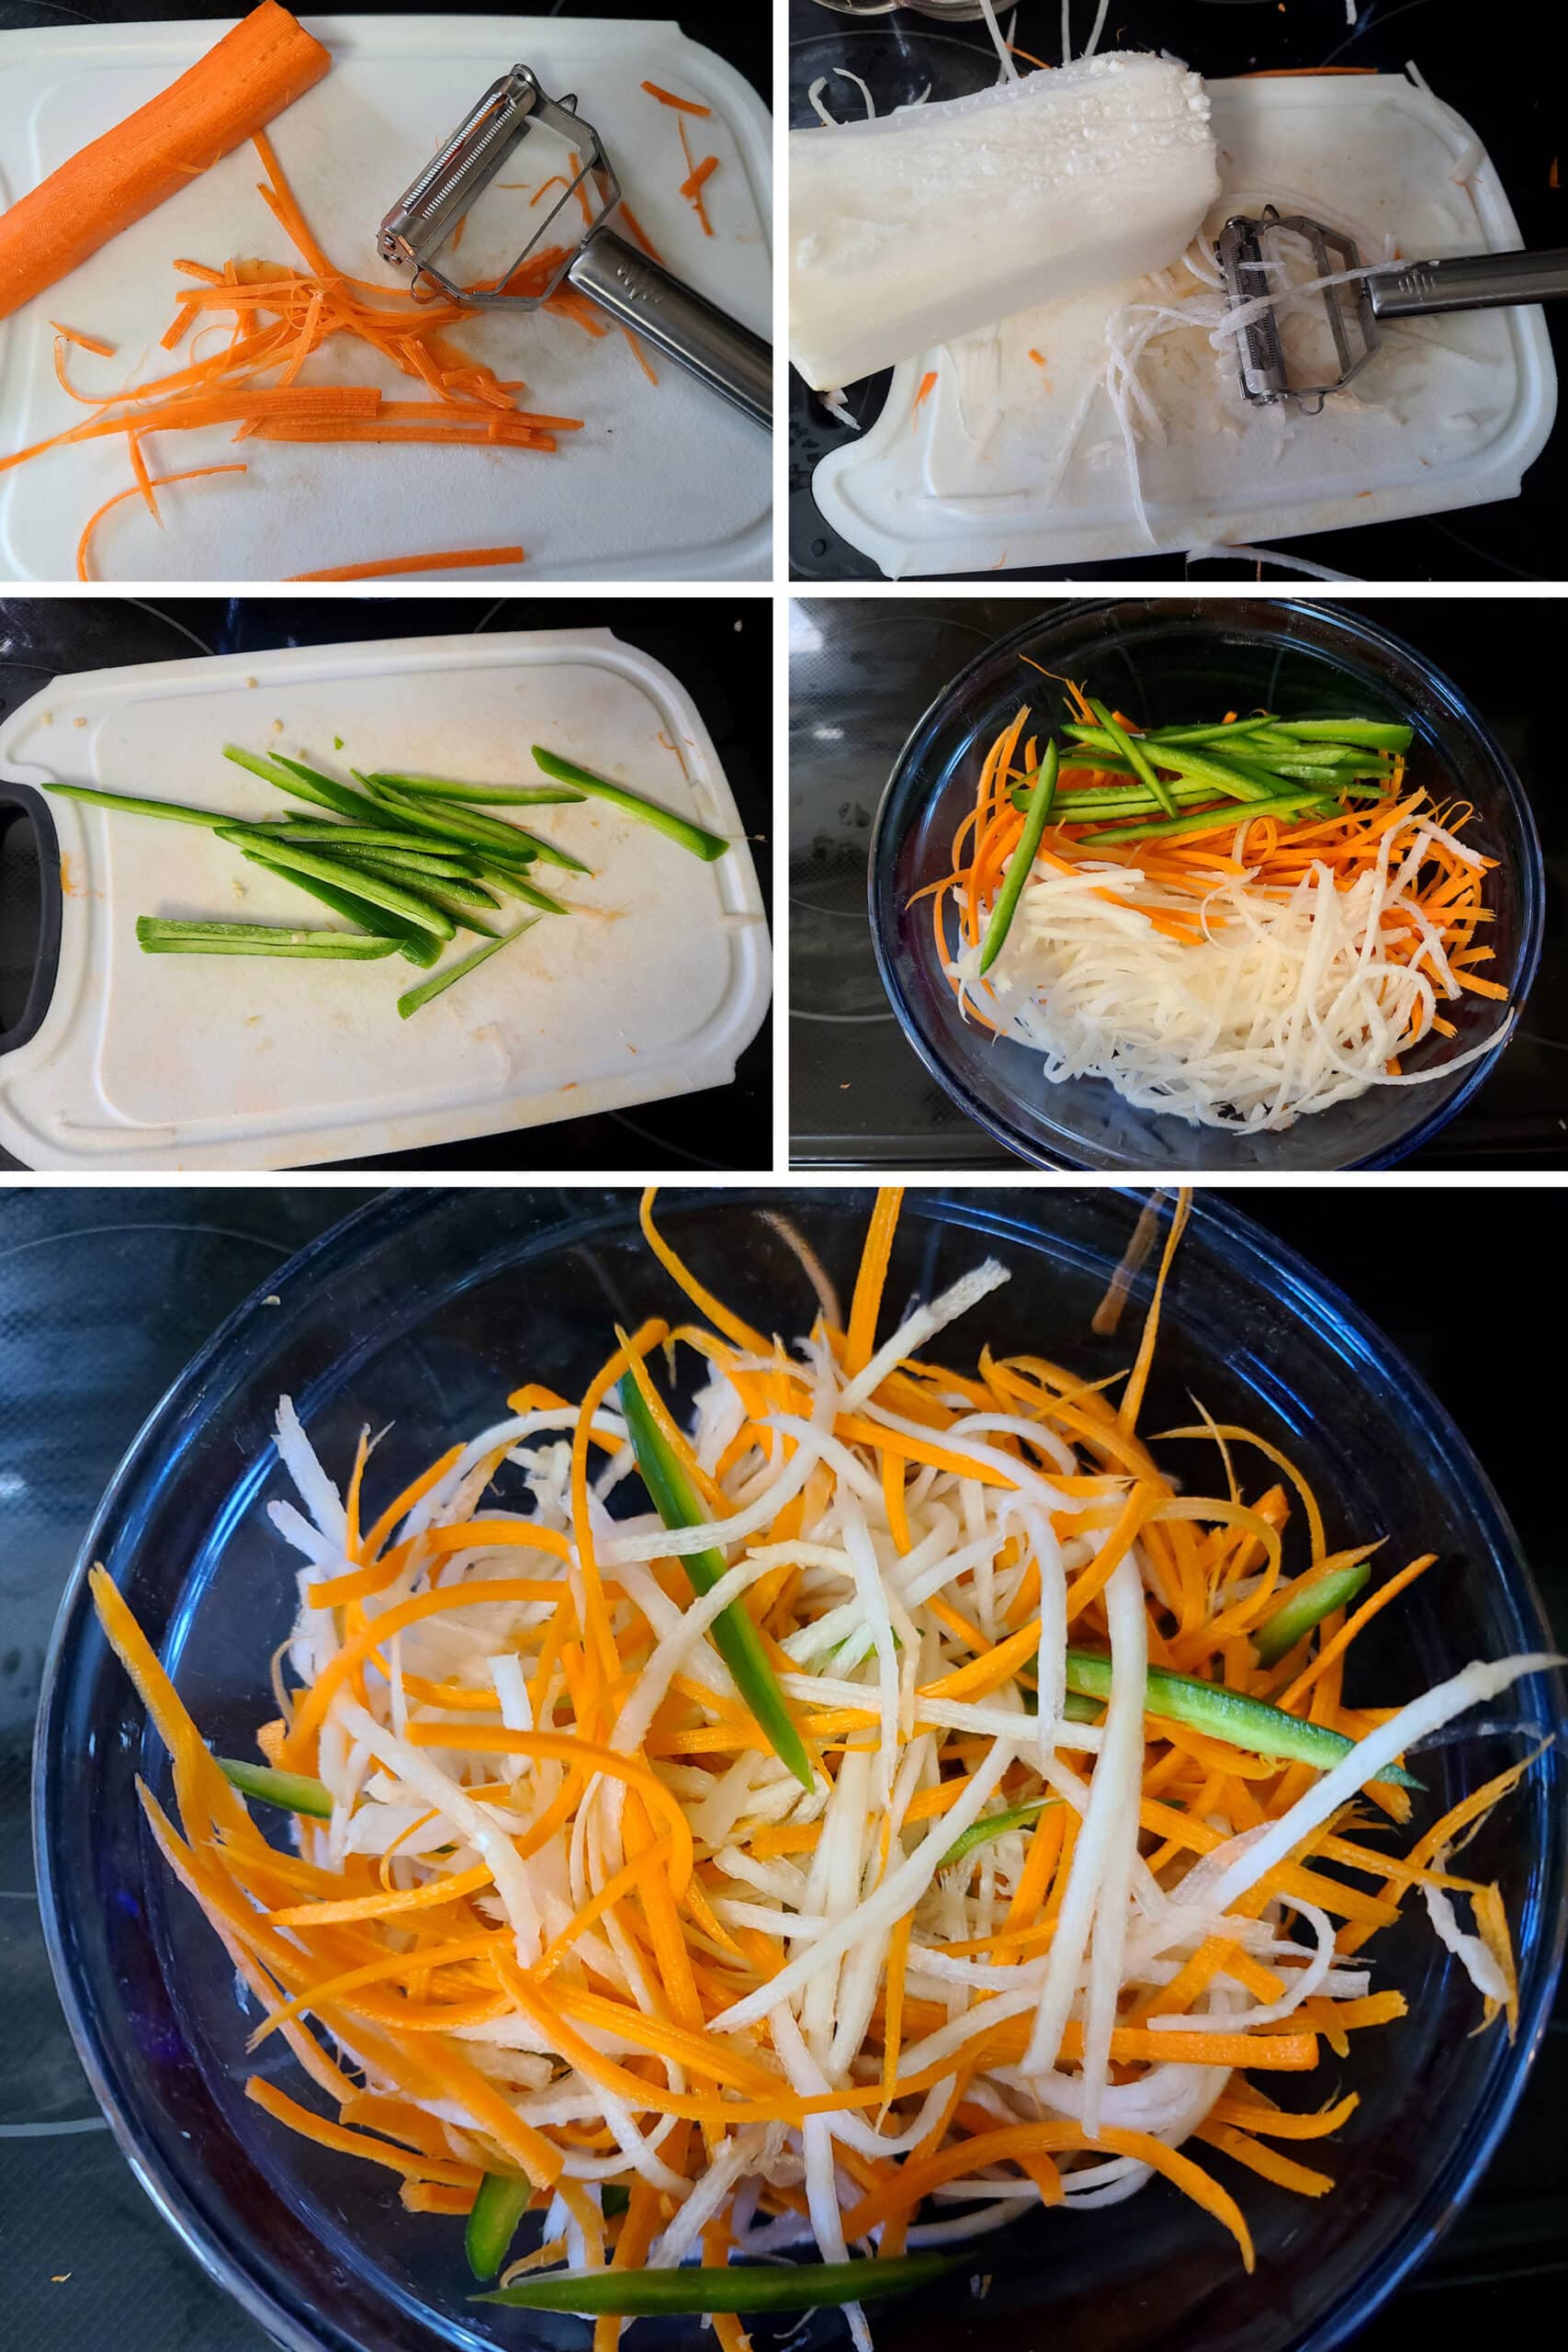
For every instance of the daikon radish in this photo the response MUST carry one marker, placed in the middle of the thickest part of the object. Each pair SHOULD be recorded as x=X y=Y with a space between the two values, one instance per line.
x=257 y=69
x=922 y=225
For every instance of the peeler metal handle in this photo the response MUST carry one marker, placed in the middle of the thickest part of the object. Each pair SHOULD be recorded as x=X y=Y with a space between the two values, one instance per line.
x=1472 y=282
x=685 y=325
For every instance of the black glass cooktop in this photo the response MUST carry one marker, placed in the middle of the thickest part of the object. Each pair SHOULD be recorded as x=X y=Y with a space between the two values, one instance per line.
x=861 y=672
x=103 y=1297
x=1516 y=114
x=720 y=650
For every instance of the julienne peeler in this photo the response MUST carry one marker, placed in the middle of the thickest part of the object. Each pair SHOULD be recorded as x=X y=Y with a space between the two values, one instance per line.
x=634 y=291
x=1249 y=252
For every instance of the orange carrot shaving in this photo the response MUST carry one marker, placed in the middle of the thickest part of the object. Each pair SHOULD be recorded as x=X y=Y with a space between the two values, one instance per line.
x=298 y=2118
x=699 y=175
x=391 y=566
x=869 y=1282
x=84 y=341
x=667 y=99
x=694 y=182
x=638 y=234
x=928 y=386
x=138 y=488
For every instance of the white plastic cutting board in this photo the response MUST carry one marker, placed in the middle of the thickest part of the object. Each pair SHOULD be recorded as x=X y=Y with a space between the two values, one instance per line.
x=1015 y=457
x=661 y=483
x=649 y=988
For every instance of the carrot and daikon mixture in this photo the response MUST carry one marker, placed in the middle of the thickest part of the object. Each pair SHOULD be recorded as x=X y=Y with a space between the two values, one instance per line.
x=1236 y=923
x=886 y=1804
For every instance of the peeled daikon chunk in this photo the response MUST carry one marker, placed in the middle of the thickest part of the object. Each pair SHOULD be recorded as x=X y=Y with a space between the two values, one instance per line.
x=912 y=228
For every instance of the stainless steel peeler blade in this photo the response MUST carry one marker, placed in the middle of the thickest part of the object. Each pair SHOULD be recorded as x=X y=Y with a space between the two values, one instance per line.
x=1252 y=254
x=635 y=290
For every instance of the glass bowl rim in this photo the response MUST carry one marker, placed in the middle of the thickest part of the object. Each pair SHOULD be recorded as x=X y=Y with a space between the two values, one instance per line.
x=1358 y=627
x=270 y=2300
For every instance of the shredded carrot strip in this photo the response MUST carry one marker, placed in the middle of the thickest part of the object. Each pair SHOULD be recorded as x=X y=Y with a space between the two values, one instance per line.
x=638 y=234
x=1281 y=2170
x=298 y=2118
x=391 y=567
x=700 y=176
x=1332 y=1651
x=916 y=2179
x=85 y=342
x=667 y=99
x=694 y=184
x=436 y=1892
x=566 y=1748
x=862 y=1336
x=163 y=481
x=741 y=1333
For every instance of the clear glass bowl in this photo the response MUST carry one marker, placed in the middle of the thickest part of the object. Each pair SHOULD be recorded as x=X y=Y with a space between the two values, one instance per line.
x=1167 y=660
x=422 y=1311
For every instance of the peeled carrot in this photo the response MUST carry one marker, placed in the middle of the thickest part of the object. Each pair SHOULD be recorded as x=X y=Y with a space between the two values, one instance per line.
x=255 y=71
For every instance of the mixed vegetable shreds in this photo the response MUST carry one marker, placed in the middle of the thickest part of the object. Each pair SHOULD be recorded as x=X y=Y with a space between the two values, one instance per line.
x=410 y=863
x=928 y=1810
x=1238 y=921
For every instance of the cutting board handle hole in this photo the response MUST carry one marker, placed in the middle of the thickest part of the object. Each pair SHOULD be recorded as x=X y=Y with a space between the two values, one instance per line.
x=31 y=894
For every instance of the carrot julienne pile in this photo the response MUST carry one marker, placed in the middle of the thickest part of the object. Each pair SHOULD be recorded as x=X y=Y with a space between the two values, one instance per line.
x=1242 y=972
x=568 y=1919
x=277 y=318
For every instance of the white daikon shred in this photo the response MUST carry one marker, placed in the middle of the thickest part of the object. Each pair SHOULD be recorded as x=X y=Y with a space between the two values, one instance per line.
x=1287 y=1002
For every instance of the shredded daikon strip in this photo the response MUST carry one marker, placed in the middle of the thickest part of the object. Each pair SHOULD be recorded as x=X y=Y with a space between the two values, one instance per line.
x=1369 y=1757
x=1009 y=70
x=1238 y=552
x=1288 y=1002
x=1469 y=1950
x=862 y=87
x=899 y=1892
x=317 y=1491
x=1120 y=1765
x=1242 y=314
x=922 y=1326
